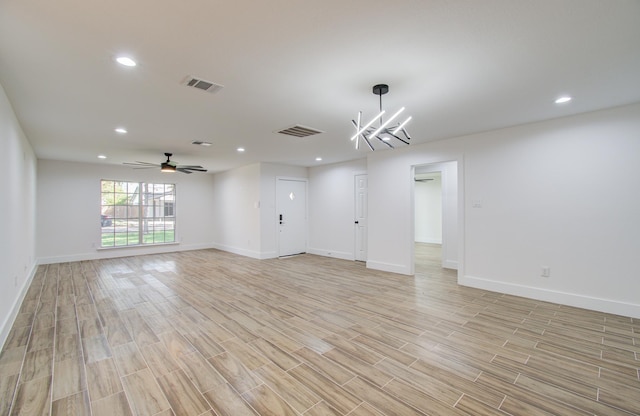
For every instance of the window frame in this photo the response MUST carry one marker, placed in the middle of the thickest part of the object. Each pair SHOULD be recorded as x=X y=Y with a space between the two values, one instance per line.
x=136 y=213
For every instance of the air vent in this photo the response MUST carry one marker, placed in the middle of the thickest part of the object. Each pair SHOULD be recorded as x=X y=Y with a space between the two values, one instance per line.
x=201 y=143
x=299 y=131
x=201 y=84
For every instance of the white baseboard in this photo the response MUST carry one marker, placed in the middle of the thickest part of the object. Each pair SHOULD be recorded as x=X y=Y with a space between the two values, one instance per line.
x=110 y=253
x=569 y=299
x=388 y=267
x=331 y=253
x=15 y=308
x=259 y=255
x=450 y=264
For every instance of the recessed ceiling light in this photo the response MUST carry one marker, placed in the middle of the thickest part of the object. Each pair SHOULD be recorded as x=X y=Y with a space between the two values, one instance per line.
x=240 y=149
x=102 y=157
x=563 y=99
x=126 y=61
x=318 y=159
x=121 y=130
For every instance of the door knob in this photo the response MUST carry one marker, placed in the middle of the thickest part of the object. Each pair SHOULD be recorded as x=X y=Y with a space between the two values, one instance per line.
x=357 y=222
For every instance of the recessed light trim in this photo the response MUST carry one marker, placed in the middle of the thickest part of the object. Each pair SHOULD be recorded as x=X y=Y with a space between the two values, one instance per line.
x=121 y=130
x=102 y=157
x=318 y=159
x=240 y=149
x=126 y=61
x=563 y=99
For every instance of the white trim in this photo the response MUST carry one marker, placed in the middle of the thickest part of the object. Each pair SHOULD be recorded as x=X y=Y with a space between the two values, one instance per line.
x=563 y=298
x=344 y=255
x=448 y=264
x=388 y=267
x=247 y=253
x=15 y=308
x=125 y=251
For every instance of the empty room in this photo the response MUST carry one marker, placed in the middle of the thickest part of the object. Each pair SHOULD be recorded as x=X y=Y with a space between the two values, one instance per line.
x=320 y=208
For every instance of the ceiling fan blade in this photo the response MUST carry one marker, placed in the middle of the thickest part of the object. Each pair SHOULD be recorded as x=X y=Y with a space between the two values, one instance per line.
x=190 y=166
x=137 y=163
x=188 y=169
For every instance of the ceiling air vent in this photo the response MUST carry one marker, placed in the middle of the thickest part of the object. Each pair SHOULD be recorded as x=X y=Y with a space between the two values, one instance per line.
x=299 y=131
x=201 y=84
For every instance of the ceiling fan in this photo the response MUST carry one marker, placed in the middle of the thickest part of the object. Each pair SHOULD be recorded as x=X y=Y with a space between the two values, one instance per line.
x=167 y=166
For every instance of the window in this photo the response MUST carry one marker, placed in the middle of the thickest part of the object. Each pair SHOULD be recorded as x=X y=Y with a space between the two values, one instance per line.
x=135 y=213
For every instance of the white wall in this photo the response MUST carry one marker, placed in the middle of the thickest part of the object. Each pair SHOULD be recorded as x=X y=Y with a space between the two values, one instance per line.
x=235 y=213
x=244 y=209
x=17 y=210
x=561 y=194
x=68 y=227
x=428 y=210
x=332 y=209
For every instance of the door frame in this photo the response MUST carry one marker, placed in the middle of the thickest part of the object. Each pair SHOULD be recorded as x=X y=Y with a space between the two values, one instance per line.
x=355 y=228
x=306 y=210
x=459 y=217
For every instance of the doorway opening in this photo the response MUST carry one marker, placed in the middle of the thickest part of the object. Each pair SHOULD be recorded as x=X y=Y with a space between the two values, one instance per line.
x=428 y=221
x=435 y=234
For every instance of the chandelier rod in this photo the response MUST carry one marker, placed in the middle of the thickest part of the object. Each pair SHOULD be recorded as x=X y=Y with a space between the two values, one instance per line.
x=380 y=90
x=380 y=95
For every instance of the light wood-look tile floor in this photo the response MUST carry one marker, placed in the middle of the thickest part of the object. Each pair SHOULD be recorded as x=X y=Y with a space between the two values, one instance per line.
x=211 y=333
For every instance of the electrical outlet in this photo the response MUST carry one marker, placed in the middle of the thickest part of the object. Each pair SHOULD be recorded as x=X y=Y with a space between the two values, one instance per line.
x=546 y=271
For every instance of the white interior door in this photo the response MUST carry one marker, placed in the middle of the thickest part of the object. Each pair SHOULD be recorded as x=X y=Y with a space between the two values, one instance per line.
x=292 y=216
x=361 y=217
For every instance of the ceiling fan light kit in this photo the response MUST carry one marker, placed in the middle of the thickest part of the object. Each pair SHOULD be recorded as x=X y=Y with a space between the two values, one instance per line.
x=165 y=167
x=385 y=132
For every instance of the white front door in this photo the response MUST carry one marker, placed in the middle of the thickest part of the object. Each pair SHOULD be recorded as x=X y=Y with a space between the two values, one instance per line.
x=291 y=207
x=361 y=217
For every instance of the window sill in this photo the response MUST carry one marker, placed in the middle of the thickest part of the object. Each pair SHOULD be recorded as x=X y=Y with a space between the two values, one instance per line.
x=175 y=243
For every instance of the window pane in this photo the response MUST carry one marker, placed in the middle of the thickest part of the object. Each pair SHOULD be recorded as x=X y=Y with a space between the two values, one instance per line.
x=120 y=239
x=128 y=206
x=108 y=239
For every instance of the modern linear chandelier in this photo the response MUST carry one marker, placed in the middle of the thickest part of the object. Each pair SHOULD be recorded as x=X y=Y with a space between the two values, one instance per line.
x=383 y=133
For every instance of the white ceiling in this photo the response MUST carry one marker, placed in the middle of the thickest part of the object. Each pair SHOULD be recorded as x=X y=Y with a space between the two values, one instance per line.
x=458 y=66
